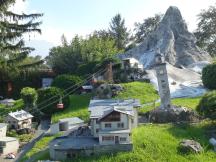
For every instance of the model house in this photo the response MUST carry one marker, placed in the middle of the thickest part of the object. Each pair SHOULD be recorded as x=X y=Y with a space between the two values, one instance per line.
x=111 y=126
x=129 y=63
x=19 y=120
x=112 y=120
x=7 y=144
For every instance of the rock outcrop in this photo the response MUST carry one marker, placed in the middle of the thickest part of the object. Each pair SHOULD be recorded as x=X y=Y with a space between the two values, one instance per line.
x=174 y=114
x=187 y=146
x=174 y=41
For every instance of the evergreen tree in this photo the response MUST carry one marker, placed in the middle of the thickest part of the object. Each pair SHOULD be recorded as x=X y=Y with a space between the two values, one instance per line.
x=206 y=31
x=64 y=40
x=142 y=30
x=12 y=28
x=119 y=32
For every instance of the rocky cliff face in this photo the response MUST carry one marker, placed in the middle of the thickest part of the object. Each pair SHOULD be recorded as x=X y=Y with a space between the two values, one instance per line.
x=174 y=41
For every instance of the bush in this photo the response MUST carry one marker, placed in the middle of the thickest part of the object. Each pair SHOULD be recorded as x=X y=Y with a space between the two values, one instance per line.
x=29 y=96
x=209 y=76
x=65 y=81
x=52 y=96
x=207 y=105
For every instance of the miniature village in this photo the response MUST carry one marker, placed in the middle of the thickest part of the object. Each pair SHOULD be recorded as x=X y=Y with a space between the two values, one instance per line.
x=106 y=115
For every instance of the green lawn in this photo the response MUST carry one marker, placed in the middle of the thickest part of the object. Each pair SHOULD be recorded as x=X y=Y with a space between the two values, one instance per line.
x=78 y=108
x=152 y=142
x=139 y=90
x=159 y=143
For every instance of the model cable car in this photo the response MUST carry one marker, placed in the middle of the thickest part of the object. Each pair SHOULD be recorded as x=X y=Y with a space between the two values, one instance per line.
x=60 y=105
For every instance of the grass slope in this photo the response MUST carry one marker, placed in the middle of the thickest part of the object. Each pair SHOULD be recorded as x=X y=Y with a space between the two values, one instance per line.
x=152 y=142
x=138 y=90
x=78 y=108
x=159 y=143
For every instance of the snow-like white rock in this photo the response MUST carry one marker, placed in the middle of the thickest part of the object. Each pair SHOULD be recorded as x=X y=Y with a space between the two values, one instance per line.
x=182 y=82
x=198 y=66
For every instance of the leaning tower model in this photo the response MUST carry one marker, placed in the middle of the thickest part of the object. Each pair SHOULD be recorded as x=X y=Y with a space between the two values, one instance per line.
x=163 y=84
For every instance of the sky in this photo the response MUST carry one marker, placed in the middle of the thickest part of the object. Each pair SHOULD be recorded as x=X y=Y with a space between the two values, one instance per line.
x=71 y=17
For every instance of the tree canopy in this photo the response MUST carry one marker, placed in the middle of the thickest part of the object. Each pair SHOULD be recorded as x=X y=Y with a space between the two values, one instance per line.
x=206 y=31
x=142 y=30
x=95 y=48
x=119 y=32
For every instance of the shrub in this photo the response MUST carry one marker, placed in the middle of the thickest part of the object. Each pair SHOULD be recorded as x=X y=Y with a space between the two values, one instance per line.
x=209 y=76
x=207 y=105
x=52 y=96
x=29 y=96
x=65 y=81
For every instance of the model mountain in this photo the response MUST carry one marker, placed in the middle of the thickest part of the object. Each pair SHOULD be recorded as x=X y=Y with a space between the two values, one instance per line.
x=173 y=40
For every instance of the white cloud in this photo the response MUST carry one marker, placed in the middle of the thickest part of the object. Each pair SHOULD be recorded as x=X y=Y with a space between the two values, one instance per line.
x=20 y=6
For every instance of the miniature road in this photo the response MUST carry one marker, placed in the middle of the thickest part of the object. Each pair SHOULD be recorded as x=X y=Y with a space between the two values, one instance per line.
x=42 y=128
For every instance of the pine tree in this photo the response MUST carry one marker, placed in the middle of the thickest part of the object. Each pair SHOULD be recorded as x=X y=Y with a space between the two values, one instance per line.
x=12 y=28
x=142 y=30
x=119 y=32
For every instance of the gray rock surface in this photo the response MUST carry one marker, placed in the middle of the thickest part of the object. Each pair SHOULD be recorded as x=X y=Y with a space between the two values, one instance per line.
x=173 y=114
x=187 y=146
x=174 y=41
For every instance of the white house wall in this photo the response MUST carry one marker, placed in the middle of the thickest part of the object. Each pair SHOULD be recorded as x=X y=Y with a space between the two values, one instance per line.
x=3 y=131
x=112 y=142
x=114 y=125
x=10 y=147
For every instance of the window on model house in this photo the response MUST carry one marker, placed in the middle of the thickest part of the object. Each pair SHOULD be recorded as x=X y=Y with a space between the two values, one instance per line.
x=120 y=125
x=97 y=121
x=107 y=138
x=108 y=125
x=123 y=139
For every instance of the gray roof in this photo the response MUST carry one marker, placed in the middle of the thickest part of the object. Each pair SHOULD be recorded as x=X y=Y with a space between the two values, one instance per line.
x=74 y=120
x=20 y=115
x=101 y=108
x=73 y=143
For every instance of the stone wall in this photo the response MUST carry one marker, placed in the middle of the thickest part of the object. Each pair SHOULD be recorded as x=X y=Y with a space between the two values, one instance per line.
x=94 y=150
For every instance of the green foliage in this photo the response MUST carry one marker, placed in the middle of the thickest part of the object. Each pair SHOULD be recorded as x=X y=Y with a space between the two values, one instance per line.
x=142 y=30
x=207 y=105
x=52 y=94
x=66 y=81
x=206 y=31
x=12 y=47
x=81 y=53
x=22 y=138
x=29 y=96
x=209 y=76
x=78 y=108
x=119 y=32
x=138 y=90
x=151 y=142
x=87 y=68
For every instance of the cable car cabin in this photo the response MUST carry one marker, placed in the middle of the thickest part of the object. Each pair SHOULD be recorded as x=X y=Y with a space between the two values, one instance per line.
x=60 y=105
